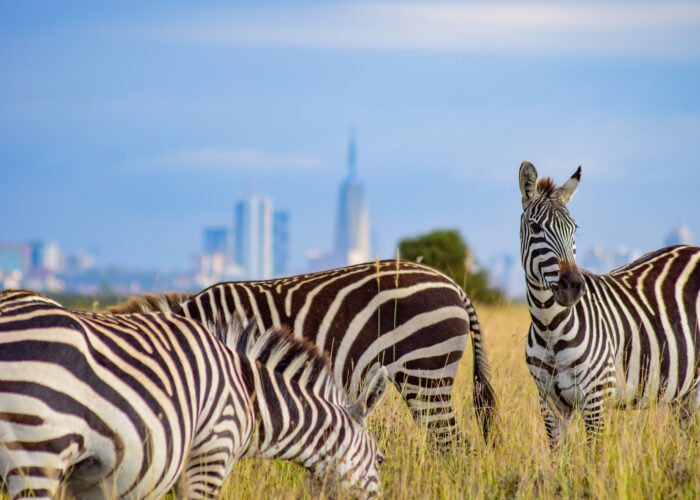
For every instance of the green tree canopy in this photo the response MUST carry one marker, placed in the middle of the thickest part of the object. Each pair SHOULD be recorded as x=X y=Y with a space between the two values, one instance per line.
x=446 y=250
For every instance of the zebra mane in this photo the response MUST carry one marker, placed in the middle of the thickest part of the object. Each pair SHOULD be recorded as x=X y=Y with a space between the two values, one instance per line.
x=149 y=302
x=280 y=351
x=546 y=186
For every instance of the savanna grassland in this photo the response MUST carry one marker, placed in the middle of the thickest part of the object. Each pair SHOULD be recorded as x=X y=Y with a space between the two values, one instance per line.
x=644 y=454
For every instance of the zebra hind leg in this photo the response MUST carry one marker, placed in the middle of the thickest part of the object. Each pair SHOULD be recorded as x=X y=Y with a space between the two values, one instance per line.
x=204 y=473
x=431 y=407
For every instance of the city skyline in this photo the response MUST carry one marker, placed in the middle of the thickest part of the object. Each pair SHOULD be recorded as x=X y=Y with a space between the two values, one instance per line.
x=126 y=130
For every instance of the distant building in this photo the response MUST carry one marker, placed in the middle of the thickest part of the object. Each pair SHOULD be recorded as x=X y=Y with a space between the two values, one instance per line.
x=216 y=260
x=680 y=235
x=45 y=256
x=216 y=240
x=14 y=262
x=280 y=243
x=13 y=257
x=352 y=241
x=45 y=263
x=78 y=262
x=253 y=234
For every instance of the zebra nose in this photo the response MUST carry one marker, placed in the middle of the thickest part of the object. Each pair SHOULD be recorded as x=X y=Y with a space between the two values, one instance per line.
x=570 y=287
x=571 y=280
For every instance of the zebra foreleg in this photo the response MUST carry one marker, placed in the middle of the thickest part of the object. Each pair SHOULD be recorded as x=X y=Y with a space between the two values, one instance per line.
x=555 y=424
x=594 y=422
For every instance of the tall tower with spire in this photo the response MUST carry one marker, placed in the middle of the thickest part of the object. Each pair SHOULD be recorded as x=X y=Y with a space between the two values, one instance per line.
x=352 y=241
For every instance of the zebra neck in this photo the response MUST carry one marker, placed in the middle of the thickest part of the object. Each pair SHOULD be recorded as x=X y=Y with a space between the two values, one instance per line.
x=548 y=317
x=279 y=421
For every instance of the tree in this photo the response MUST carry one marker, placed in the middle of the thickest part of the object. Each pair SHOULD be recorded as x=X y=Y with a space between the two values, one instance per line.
x=446 y=250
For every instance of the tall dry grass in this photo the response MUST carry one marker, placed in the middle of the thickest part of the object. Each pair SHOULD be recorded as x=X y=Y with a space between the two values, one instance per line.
x=644 y=453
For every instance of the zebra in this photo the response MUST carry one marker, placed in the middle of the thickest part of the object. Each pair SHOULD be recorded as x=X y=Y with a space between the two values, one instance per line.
x=627 y=338
x=134 y=405
x=402 y=315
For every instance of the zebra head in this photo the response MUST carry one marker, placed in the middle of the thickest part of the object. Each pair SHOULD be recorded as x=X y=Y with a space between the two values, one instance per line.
x=357 y=464
x=547 y=230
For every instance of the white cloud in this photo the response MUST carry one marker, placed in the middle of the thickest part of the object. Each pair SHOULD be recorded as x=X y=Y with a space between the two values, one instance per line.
x=223 y=158
x=638 y=29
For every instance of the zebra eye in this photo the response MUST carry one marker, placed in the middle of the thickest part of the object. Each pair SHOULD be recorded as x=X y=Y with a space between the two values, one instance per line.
x=380 y=459
x=535 y=227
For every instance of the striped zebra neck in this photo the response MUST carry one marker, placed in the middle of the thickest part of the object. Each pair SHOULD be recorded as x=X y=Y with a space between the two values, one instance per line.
x=548 y=317
x=280 y=372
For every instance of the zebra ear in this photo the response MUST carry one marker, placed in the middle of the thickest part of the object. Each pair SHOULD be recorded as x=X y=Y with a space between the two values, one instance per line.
x=528 y=182
x=565 y=192
x=371 y=394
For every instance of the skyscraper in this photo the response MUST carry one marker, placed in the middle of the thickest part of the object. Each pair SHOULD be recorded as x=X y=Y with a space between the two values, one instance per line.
x=45 y=256
x=280 y=242
x=253 y=226
x=216 y=240
x=352 y=242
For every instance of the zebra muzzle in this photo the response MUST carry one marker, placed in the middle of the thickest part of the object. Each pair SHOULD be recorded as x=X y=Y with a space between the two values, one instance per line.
x=570 y=287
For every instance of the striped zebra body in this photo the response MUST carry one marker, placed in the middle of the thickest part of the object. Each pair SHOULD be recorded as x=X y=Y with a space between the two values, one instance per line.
x=630 y=337
x=401 y=315
x=134 y=405
x=123 y=405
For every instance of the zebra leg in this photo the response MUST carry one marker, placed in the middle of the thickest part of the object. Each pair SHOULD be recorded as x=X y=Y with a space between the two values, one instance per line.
x=555 y=423
x=32 y=481
x=206 y=468
x=430 y=402
x=687 y=408
x=594 y=421
x=203 y=477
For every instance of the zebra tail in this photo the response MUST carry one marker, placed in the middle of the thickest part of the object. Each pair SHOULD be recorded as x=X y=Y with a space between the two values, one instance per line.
x=484 y=396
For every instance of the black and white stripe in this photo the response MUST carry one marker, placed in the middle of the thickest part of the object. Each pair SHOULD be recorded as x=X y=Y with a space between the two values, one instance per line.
x=401 y=315
x=135 y=405
x=630 y=337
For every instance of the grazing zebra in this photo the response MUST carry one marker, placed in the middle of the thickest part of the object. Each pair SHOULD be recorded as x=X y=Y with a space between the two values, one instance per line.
x=404 y=316
x=630 y=335
x=133 y=405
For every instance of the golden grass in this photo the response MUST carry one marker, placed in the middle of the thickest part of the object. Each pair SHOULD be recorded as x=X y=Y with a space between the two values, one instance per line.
x=643 y=454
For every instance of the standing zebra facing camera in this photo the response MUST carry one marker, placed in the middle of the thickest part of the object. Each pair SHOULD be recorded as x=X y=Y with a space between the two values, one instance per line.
x=401 y=315
x=132 y=406
x=630 y=336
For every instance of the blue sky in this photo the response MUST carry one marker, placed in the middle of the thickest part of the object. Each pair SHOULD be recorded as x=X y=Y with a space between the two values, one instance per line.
x=125 y=129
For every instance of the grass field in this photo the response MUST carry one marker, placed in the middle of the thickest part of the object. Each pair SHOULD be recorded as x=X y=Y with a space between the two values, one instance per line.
x=644 y=454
